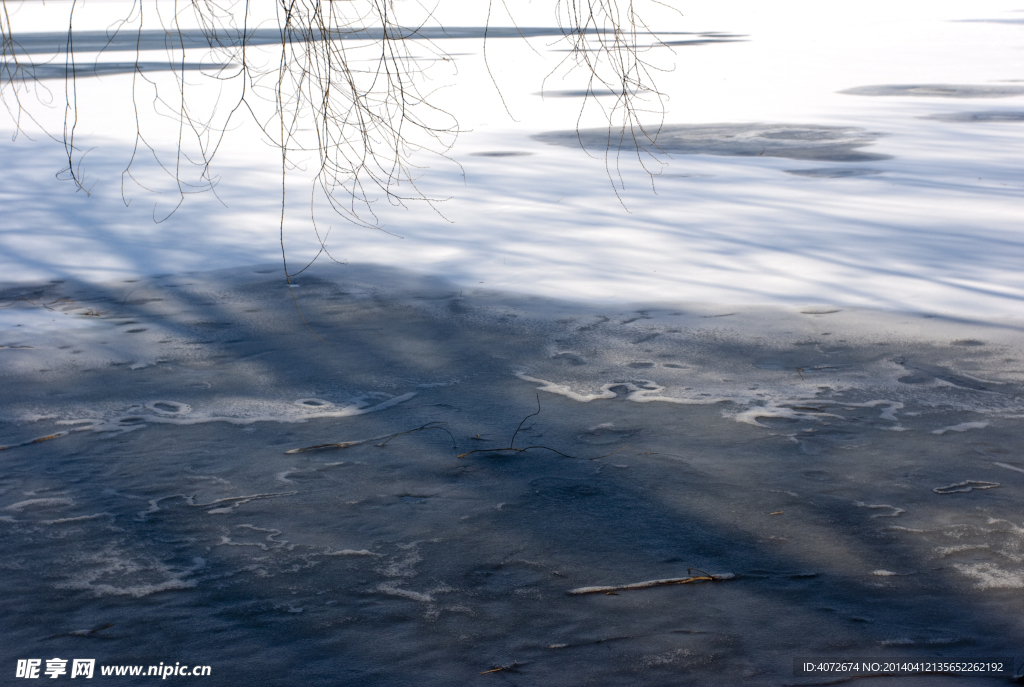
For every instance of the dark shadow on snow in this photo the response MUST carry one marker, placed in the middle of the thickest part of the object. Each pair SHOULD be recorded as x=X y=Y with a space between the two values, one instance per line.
x=938 y=91
x=62 y=71
x=108 y=41
x=834 y=172
x=793 y=141
x=984 y=116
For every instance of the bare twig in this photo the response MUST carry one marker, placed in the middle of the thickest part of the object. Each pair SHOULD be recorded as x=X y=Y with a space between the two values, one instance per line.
x=386 y=437
x=79 y=633
x=39 y=440
x=511 y=448
x=514 y=434
x=320 y=447
x=511 y=668
x=429 y=425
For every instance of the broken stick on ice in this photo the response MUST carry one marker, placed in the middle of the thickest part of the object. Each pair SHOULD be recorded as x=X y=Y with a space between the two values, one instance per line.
x=705 y=577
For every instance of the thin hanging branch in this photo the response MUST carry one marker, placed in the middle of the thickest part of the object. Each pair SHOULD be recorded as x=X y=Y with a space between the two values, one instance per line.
x=346 y=86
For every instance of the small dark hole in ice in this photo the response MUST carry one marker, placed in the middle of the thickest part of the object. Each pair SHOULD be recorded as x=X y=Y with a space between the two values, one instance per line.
x=314 y=403
x=131 y=421
x=778 y=421
x=675 y=366
x=641 y=366
x=915 y=379
x=136 y=331
x=967 y=342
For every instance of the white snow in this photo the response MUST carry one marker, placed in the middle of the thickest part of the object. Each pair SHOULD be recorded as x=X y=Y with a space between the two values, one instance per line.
x=936 y=229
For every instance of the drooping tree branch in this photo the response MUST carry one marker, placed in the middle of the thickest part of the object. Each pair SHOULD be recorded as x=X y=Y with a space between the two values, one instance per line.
x=341 y=82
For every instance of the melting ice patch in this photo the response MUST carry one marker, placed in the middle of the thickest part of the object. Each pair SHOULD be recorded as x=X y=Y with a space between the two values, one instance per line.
x=113 y=573
x=893 y=511
x=962 y=427
x=990 y=553
x=799 y=408
x=990 y=576
x=392 y=589
x=52 y=502
x=965 y=486
x=640 y=391
x=270 y=538
x=771 y=410
x=238 y=411
x=225 y=505
x=169 y=408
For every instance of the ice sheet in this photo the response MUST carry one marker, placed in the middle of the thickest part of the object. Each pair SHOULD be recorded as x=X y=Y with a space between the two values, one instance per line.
x=770 y=456
x=807 y=374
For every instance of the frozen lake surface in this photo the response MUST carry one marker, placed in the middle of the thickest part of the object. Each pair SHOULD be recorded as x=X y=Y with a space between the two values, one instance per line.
x=857 y=472
x=790 y=366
